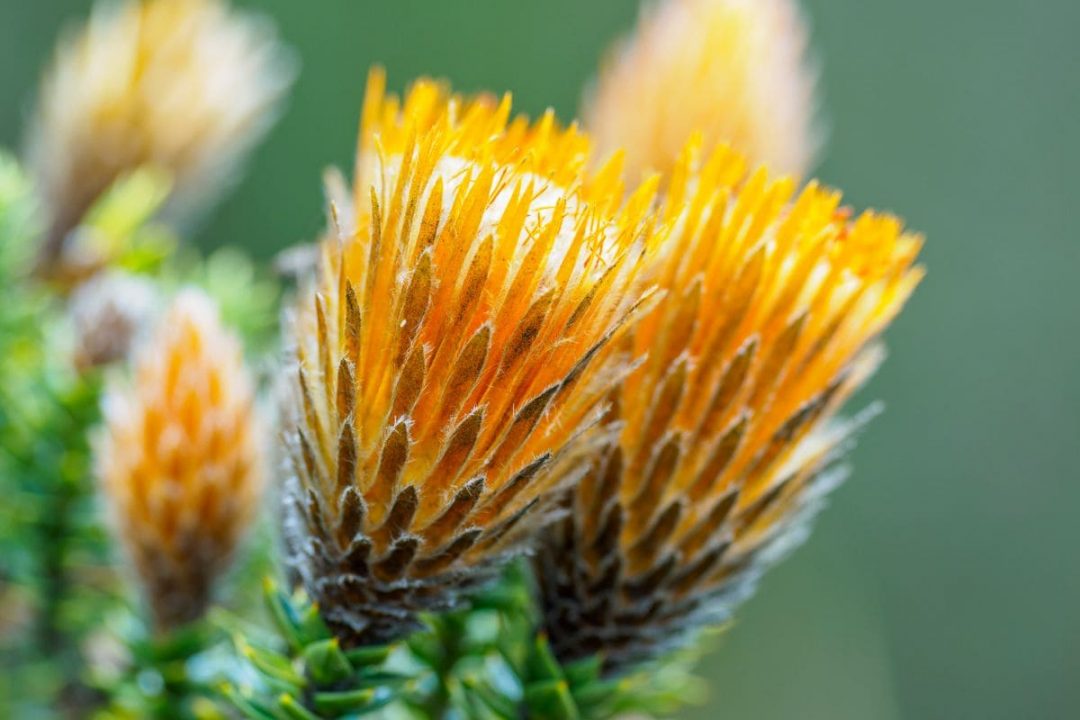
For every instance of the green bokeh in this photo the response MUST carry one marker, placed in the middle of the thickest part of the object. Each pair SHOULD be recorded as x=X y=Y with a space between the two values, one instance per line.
x=944 y=582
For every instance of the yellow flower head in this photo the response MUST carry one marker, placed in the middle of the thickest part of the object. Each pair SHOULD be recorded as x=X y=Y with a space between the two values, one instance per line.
x=188 y=86
x=179 y=460
x=736 y=70
x=447 y=355
x=727 y=440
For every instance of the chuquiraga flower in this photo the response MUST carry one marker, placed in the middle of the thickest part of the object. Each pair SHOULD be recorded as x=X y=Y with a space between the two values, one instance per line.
x=179 y=459
x=735 y=70
x=446 y=356
x=187 y=86
x=728 y=437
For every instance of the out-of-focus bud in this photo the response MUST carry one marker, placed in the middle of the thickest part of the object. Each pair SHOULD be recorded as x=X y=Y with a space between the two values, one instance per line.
x=187 y=86
x=179 y=459
x=734 y=70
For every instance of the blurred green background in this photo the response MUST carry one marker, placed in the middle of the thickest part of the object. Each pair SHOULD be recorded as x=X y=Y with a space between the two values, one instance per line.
x=944 y=581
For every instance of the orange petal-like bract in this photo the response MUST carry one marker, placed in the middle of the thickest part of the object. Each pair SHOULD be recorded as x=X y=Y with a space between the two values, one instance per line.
x=187 y=86
x=179 y=459
x=734 y=70
x=446 y=356
x=728 y=438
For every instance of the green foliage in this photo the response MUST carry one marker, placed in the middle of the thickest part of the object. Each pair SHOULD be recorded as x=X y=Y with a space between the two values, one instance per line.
x=580 y=691
x=55 y=577
x=61 y=569
x=159 y=676
x=302 y=673
x=483 y=663
x=19 y=348
x=17 y=220
x=492 y=664
x=120 y=228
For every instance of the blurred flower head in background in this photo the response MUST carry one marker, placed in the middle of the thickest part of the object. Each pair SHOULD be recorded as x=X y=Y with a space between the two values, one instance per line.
x=735 y=70
x=179 y=459
x=185 y=86
x=446 y=357
x=727 y=440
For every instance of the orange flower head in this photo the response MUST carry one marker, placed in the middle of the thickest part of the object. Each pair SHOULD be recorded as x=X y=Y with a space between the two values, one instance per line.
x=447 y=355
x=728 y=431
x=179 y=461
x=735 y=70
x=186 y=86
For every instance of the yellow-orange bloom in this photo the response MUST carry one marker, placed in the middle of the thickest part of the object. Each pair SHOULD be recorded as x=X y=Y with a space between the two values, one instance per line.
x=735 y=70
x=188 y=86
x=179 y=459
x=728 y=439
x=447 y=355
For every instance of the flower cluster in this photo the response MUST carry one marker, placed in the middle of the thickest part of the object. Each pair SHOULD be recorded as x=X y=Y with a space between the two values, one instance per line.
x=620 y=352
x=503 y=349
